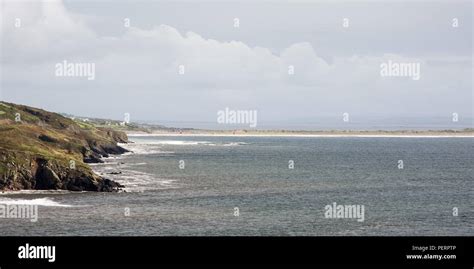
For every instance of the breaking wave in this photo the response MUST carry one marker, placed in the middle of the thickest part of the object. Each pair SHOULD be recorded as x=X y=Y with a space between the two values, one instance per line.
x=39 y=202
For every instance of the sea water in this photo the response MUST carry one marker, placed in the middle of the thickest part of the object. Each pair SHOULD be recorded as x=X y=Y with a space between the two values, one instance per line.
x=208 y=185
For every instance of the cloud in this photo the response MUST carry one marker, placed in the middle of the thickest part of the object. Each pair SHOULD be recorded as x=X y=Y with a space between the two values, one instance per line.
x=143 y=64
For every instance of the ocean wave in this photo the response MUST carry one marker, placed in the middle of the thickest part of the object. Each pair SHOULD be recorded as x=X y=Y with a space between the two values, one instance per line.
x=39 y=202
x=133 y=180
x=124 y=172
x=142 y=149
x=154 y=147
x=48 y=192
x=173 y=142
x=135 y=164
x=231 y=144
x=138 y=145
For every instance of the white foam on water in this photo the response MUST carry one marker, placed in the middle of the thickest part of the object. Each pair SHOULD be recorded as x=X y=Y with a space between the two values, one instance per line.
x=142 y=149
x=135 y=164
x=133 y=180
x=38 y=201
x=49 y=192
x=173 y=142
x=231 y=144
x=152 y=147
x=136 y=181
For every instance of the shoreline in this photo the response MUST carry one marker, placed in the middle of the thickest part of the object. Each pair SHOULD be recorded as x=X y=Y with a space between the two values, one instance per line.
x=312 y=135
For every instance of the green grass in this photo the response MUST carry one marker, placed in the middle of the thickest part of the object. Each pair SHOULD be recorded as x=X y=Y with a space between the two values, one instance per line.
x=20 y=142
x=5 y=105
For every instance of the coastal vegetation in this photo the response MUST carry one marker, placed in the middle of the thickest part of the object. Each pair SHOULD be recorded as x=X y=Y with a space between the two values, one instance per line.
x=45 y=150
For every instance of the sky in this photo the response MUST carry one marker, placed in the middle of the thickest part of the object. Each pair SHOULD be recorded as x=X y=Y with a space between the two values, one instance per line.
x=335 y=49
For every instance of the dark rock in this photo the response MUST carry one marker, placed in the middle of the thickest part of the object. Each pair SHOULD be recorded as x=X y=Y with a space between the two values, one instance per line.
x=81 y=183
x=46 y=138
x=93 y=158
x=109 y=186
x=47 y=179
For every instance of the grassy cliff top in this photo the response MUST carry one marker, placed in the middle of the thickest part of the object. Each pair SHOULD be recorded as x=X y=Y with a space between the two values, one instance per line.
x=33 y=130
x=30 y=136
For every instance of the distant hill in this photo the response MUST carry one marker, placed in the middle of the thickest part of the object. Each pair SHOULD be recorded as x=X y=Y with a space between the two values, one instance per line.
x=45 y=150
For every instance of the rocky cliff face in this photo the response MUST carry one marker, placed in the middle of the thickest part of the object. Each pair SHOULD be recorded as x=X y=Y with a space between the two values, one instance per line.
x=44 y=150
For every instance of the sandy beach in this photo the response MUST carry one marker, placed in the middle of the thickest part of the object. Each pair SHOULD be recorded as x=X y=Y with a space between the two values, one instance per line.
x=322 y=134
